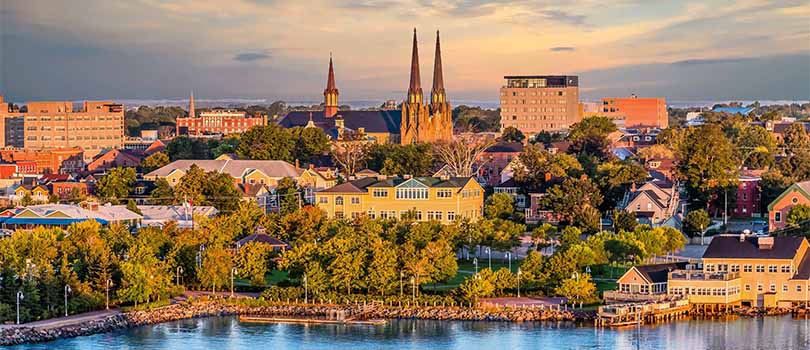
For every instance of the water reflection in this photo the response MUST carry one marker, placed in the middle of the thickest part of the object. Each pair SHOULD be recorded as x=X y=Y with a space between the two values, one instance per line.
x=228 y=333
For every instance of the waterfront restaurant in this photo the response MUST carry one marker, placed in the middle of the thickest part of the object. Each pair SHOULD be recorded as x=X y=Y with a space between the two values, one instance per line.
x=644 y=283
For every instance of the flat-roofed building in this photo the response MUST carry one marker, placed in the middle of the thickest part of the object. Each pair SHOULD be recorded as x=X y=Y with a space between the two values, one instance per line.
x=442 y=199
x=535 y=103
x=216 y=122
x=95 y=126
x=634 y=112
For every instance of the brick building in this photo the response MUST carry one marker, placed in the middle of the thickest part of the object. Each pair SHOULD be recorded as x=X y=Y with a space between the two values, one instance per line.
x=216 y=122
x=95 y=126
x=47 y=161
x=778 y=210
x=634 y=112
x=535 y=103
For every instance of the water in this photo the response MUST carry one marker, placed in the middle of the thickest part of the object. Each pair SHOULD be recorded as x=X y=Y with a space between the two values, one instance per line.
x=781 y=333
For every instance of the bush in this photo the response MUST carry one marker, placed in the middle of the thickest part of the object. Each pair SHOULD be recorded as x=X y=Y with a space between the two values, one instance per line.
x=283 y=293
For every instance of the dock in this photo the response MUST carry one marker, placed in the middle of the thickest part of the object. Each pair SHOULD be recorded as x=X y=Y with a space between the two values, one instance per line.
x=268 y=319
x=621 y=315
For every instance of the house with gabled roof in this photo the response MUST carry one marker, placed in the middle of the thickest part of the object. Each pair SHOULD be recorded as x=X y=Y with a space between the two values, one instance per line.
x=778 y=210
x=252 y=172
x=644 y=283
x=442 y=199
x=63 y=215
x=653 y=203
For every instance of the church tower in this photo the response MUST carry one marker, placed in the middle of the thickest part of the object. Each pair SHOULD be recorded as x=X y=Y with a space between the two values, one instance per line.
x=423 y=122
x=441 y=115
x=330 y=94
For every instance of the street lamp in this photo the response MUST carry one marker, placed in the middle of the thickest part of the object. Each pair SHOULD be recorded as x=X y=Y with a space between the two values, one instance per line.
x=67 y=290
x=489 y=253
x=413 y=289
x=401 y=275
x=306 y=290
x=233 y=272
x=518 y=280
x=475 y=262
x=20 y=296
x=107 y=287
x=509 y=257
x=179 y=271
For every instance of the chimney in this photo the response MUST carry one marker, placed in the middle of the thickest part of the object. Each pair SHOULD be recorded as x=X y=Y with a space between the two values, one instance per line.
x=444 y=177
x=548 y=176
x=382 y=177
x=297 y=164
x=742 y=237
x=765 y=243
x=407 y=176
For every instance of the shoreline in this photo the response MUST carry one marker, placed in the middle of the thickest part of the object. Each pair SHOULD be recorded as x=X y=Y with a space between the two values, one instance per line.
x=20 y=335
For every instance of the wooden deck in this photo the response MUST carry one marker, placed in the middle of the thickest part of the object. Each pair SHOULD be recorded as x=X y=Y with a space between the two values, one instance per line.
x=622 y=315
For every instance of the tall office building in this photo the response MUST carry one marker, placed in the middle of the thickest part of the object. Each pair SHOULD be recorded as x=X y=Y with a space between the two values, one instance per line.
x=535 y=103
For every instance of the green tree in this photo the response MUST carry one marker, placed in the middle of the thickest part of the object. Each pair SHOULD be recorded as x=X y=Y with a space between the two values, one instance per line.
x=756 y=147
x=163 y=194
x=116 y=184
x=512 y=134
x=615 y=178
x=798 y=215
x=154 y=161
x=577 y=288
x=184 y=147
x=575 y=201
x=191 y=186
x=538 y=167
x=590 y=137
x=706 y=162
x=131 y=206
x=499 y=206
x=266 y=142
x=695 y=222
x=624 y=221
x=289 y=197
x=382 y=273
x=252 y=261
x=217 y=263
x=309 y=143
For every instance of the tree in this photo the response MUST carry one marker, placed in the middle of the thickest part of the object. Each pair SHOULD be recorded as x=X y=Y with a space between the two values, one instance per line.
x=116 y=184
x=624 y=221
x=393 y=159
x=756 y=147
x=220 y=192
x=499 y=206
x=575 y=201
x=655 y=152
x=590 y=137
x=191 y=186
x=461 y=154
x=577 y=288
x=537 y=167
x=266 y=142
x=289 y=197
x=706 y=162
x=798 y=215
x=216 y=267
x=350 y=155
x=512 y=134
x=154 y=161
x=252 y=261
x=131 y=206
x=615 y=178
x=675 y=240
x=163 y=194
x=695 y=222
x=383 y=272
x=184 y=147
x=309 y=143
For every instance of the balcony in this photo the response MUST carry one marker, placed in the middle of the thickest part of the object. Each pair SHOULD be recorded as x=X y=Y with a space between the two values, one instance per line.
x=699 y=275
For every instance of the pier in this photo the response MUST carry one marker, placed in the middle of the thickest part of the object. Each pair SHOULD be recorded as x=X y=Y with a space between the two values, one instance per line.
x=620 y=315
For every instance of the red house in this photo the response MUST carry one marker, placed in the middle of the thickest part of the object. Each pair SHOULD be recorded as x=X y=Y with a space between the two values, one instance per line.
x=747 y=202
x=492 y=161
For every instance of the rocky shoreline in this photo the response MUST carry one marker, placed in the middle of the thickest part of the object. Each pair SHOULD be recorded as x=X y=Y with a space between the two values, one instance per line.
x=197 y=309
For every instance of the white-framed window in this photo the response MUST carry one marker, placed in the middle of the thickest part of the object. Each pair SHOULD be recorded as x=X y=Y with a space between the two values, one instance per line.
x=444 y=193
x=747 y=268
x=379 y=193
x=412 y=193
x=773 y=288
x=771 y=268
x=760 y=268
x=323 y=200
x=355 y=200
x=371 y=214
x=785 y=268
x=784 y=288
x=451 y=216
x=338 y=200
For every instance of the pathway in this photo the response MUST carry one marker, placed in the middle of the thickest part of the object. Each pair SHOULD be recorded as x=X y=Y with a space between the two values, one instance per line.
x=68 y=321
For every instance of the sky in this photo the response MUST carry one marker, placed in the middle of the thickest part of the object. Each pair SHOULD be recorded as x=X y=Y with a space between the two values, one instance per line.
x=279 y=49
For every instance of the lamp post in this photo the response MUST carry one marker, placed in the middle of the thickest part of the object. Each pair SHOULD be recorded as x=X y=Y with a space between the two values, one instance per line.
x=413 y=289
x=306 y=290
x=233 y=273
x=178 y=272
x=67 y=290
x=107 y=288
x=518 y=280
x=20 y=296
x=489 y=253
x=475 y=262
x=401 y=275
x=509 y=258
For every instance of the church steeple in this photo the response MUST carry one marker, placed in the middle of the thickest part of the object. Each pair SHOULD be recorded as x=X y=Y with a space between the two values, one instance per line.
x=415 y=88
x=330 y=94
x=437 y=95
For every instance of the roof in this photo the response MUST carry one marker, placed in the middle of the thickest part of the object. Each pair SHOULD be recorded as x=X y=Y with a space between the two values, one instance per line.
x=650 y=194
x=236 y=168
x=362 y=185
x=64 y=214
x=160 y=214
x=505 y=147
x=657 y=273
x=803 y=272
x=733 y=110
x=802 y=187
x=388 y=121
x=780 y=128
x=726 y=246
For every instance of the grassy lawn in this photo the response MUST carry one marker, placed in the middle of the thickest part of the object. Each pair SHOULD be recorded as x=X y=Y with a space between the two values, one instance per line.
x=602 y=286
x=270 y=279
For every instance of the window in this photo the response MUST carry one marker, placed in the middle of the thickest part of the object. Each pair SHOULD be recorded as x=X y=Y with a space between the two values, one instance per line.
x=747 y=268
x=379 y=193
x=760 y=268
x=798 y=287
x=338 y=200
x=444 y=193
x=371 y=214
x=355 y=215
x=785 y=268
x=772 y=268
x=709 y=268
x=438 y=216
x=324 y=200
x=784 y=288
x=735 y=268
x=412 y=193
x=777 y=216
x=418 y=214
x=451 y=215
x=759 y=287
x=338 y=215
x=773 y=288
x=748 y=287
x=355 y=200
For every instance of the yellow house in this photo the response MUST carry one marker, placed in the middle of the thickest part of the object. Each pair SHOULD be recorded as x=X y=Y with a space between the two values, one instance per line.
x=748 y=270
x=443 y=199
x=249 y=172
x=38 y=193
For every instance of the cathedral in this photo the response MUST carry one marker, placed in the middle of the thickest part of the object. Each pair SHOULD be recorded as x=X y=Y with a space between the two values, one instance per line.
x=416 y=121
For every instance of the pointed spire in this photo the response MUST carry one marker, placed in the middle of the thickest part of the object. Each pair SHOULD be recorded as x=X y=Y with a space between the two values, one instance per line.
x=416 y=85
x=330 y=83
x=438 y=77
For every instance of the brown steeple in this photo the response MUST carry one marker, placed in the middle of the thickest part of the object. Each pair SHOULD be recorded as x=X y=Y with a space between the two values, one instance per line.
x=330 y=94
x=415 y=89
x=437 y=94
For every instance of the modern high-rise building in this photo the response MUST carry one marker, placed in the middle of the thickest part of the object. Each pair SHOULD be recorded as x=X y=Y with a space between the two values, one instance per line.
x=216 y=121
x=535 y=103
x=634 y=112
x=95 y=126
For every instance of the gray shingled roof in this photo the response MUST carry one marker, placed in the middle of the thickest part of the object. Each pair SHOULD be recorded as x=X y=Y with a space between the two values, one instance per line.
x=784 y=247
x=371 y=121
x=235 y=168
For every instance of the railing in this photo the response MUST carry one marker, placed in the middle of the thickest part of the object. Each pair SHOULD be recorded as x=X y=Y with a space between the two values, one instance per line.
x=620 y=296
x=703 y=276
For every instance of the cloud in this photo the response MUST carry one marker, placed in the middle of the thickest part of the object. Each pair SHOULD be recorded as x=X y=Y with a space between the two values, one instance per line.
x=563 y=17
x=251 y=57
x=706 y=61
x=562 y=49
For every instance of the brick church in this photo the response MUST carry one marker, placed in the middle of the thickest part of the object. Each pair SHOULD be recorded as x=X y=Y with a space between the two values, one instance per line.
x=416 y=121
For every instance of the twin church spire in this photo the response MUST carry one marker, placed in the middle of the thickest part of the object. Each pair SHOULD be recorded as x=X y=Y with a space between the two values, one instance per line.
x=420 y=122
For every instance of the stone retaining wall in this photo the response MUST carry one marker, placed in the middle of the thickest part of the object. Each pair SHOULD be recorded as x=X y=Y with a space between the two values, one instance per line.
x=22 y=335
